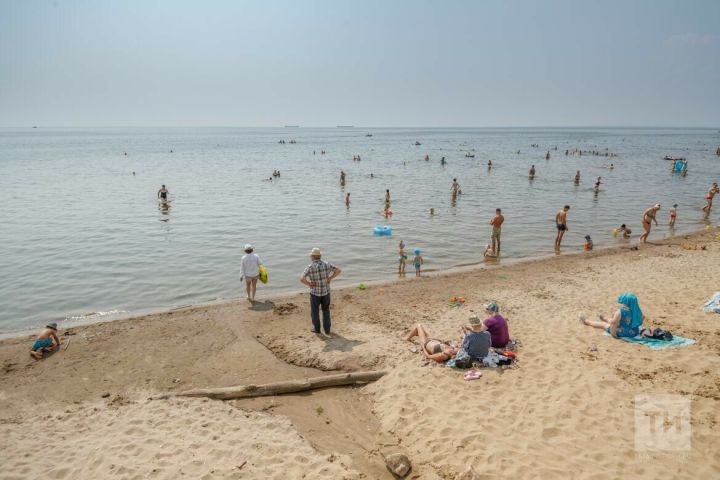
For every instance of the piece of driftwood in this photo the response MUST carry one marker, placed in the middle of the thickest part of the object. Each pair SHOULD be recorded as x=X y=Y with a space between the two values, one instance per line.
x=278 y=388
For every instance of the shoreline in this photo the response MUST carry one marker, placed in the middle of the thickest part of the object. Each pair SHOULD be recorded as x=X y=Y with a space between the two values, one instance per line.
x=556 y=395
x=343 y=286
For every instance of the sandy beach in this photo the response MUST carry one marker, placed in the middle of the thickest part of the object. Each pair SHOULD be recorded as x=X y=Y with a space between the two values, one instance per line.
x=566 y=410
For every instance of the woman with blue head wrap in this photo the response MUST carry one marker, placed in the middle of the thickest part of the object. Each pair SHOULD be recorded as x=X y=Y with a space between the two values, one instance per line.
x=626 y=321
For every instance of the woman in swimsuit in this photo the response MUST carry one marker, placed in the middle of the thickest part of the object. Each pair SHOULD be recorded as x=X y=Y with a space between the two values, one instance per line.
x=649 y=216
x=432 y=348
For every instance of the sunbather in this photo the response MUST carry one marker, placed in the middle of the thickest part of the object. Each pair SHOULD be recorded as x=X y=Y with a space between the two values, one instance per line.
x=626 y=321
x=432 y=348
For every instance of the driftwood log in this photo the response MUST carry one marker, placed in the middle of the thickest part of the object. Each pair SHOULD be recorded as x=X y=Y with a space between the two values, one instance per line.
x=278 y=388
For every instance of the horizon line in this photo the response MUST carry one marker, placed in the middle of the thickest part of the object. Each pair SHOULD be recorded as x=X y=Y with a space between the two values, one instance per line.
x=356 y=127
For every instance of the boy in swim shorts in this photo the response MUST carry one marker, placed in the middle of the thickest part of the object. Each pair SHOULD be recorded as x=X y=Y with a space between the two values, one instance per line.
x=673 y=215
x=46 y=341
x=417 y=261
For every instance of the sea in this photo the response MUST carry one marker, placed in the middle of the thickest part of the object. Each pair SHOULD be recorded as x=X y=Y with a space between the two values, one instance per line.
x=84 y=239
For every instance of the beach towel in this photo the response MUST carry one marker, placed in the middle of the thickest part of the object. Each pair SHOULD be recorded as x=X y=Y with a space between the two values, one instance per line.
x=713 y=305
x=655 y=344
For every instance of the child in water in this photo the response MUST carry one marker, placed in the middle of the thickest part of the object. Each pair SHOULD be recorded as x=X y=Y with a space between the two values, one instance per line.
x=489 y=252
x=402 y=258
x=417 y=261
x=673 y=214
x=588 y=243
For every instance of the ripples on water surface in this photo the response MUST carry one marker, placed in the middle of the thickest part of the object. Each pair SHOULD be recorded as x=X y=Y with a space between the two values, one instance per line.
x=81 y=235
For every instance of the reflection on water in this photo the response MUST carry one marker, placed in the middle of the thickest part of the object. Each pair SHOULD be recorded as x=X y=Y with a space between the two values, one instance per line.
x=78 y=214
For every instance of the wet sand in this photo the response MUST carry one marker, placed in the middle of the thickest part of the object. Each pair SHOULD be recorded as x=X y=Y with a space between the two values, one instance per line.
x=568 y=406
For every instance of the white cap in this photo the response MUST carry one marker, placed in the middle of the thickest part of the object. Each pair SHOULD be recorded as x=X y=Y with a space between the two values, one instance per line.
x=247 y=247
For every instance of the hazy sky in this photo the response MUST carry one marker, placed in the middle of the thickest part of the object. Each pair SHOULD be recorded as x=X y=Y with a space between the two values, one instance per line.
x=363 y=62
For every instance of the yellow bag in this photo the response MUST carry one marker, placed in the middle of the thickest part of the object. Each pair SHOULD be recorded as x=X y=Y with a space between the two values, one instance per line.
x=263 y=274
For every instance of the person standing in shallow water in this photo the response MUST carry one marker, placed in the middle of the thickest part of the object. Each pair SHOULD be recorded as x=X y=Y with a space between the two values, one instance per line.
x=496 y=223
x=250 y=271
x=649 y=216
x=561 y=224
x=577 y=178
x=163 y=194
x=531 y=173
x=318 y=276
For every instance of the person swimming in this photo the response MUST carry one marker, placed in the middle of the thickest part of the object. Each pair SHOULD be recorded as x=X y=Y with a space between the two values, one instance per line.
x=163 y=194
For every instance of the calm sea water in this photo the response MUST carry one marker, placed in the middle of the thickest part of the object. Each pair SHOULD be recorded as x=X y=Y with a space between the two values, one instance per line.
x=82 y=237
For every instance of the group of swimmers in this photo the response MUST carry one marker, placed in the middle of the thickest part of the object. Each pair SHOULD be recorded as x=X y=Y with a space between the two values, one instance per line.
x=595 y=153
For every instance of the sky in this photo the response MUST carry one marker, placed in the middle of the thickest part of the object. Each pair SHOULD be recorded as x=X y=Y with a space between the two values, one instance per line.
x=366 y=63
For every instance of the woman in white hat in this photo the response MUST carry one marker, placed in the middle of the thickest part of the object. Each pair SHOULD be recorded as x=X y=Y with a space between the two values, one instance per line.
x=250 y=271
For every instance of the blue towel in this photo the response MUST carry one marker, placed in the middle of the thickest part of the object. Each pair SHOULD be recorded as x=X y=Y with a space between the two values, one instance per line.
x=655 y=344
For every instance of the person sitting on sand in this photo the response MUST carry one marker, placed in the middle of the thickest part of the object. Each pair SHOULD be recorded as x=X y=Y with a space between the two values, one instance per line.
x=46 y=341
x=489 y=252
x=432 y=348
x=496 y=325
x=476 y=339
x=626 y=321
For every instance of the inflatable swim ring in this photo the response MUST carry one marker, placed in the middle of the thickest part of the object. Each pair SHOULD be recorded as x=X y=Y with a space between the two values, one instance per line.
x=383 y=230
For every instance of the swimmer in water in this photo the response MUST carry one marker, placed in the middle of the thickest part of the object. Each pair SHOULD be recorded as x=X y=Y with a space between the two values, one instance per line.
x=442 y=161
x=597 y=184
x=531 y=173
x=163 y=194
x=577 y=178
x=387 y=196
x=612 y=166
x=347 y=200
x=489 y=164
x=432 y=212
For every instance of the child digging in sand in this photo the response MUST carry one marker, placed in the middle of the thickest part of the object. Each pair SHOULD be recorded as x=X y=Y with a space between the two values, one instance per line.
x=417 y=261
x=46 y=341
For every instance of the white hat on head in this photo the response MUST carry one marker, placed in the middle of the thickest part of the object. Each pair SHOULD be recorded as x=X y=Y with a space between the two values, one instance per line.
x=248 y=247
x=315 y=252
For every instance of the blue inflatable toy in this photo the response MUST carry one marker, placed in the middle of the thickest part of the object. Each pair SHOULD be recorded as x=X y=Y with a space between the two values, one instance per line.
x=383 y=230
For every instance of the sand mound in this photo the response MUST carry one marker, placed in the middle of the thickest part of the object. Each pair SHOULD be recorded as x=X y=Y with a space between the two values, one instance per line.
x=178 y=438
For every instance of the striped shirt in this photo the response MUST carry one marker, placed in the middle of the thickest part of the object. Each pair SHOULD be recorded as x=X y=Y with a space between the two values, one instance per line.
x=318 y=272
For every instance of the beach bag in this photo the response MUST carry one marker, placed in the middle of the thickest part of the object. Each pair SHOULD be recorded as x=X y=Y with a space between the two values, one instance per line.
x=463 y=360
x=657 y=334
x=263 y=274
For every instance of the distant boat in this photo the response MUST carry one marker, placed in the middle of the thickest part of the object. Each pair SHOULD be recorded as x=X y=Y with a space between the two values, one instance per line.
x=668 y=157
x=34 y=126
x=417 y=144
x=368 y=134
x=345 y=126
x=292 y=126
x=469 y=155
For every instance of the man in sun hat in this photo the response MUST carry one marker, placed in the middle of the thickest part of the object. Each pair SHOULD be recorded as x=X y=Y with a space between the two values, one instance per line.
x=496 y=325
x=318 y=276
x=46 y=341
x=476 y=341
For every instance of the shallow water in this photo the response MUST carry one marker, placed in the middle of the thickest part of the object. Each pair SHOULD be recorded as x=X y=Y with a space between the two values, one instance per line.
x=83 y=238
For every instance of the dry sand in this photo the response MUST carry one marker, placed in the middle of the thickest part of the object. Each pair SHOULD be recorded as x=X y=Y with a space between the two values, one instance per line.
x=566 y=411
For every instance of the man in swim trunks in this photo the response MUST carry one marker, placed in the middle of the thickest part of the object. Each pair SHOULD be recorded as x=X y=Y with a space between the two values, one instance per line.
x=709 y=197
x=46 y=341
x=561 y=224
x=649 y=216
x=496 y=223
x=163 y=193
